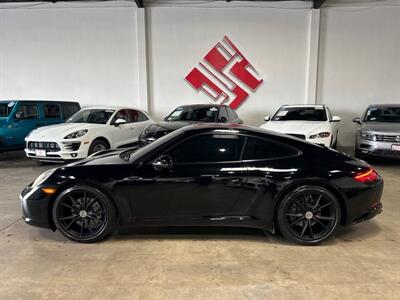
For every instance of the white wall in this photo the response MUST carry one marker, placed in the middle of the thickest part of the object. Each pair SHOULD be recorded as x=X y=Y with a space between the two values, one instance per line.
x=274 y=40
x=67 y=51
x=359 y=61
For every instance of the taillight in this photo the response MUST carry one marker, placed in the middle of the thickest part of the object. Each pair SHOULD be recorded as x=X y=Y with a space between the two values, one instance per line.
x=368 y=176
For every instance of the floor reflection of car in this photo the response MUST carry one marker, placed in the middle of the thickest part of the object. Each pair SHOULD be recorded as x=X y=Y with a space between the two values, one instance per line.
x=313 y=123
x=379 y=132
x=88 y=131
x=187 y=115
x=19 y=117
x=208 y=175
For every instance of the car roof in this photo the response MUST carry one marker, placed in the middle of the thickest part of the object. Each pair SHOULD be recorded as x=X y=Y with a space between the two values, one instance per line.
x=32 y=100
x=201 y=105
x=305 y=105
x=113 y=107
x=383 y=105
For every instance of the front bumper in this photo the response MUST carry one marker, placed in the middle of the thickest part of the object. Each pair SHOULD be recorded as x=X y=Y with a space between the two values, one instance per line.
x=375 y=148
x=68 y=150
x=36 y=208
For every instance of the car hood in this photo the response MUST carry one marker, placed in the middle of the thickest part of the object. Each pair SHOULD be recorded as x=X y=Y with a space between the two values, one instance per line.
x=59 y=131
x=380 y=127
x=166 y=126
x=108 y=157
x=296 y=127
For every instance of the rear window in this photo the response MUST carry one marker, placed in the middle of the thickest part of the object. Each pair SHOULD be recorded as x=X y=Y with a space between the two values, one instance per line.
x=52 y=111
x=69 y=109
x=258 y=149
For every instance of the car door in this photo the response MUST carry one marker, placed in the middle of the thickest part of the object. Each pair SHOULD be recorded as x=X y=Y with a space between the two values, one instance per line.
x=121 y=135
x=205 y=180
x=137 y=122
x=26 y=118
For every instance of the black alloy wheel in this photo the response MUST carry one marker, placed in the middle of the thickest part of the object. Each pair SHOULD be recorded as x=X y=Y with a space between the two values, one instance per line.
x=84 y=214
x=308 y=215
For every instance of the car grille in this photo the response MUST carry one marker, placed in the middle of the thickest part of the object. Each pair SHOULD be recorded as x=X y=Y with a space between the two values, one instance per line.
x=300 y=136
x=74 y=146
x=388 y=138
x=49 y=146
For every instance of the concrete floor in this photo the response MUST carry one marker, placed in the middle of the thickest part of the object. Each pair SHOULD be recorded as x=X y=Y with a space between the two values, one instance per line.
x=361 y=262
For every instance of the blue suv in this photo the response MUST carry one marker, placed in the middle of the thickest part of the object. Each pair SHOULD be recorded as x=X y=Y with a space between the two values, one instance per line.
x=19 y=117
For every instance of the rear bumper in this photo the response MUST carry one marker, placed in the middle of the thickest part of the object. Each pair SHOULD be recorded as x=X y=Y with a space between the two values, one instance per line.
x=369 y=214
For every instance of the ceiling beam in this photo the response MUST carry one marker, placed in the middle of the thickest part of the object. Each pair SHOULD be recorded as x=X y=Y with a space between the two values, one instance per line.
x=139 y=3
x=318 y=3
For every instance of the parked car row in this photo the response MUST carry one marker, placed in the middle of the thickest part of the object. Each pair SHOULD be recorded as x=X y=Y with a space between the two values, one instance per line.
x=38 y=126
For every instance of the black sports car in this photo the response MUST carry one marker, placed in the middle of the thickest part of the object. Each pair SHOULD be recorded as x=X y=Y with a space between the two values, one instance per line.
x=188 y=115
x=208 y=175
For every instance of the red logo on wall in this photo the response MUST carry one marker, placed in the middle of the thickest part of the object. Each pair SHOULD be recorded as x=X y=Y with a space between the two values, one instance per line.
x=223 y=74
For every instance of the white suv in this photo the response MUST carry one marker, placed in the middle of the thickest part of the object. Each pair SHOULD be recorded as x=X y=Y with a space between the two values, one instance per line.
x=88 y=131
x=313 y=123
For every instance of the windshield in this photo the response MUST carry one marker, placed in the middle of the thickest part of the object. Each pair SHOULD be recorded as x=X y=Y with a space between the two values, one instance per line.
x=199 y=114
x=300 y=114
x=6 y=108
x=94 y=116
x=150 y=147
x=383 y=114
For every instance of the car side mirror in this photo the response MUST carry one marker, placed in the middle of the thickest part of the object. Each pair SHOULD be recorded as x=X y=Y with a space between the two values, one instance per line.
x=223 y=119
x=267 y=118
x=163 y=162
x=18 y=116
x=336 y=119
x=357 y=120
x=119 y=121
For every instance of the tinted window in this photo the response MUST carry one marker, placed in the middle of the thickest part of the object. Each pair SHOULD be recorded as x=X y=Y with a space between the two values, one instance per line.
x=300 y=114
x=27 y=111
x=69 y=109
x=95 y=116
x=6 y=108
x=383 y=114
x=257 y=148
x=223 y=114
x=209 y=148
x=199 y=114
x=52 y=111
x=230 y=114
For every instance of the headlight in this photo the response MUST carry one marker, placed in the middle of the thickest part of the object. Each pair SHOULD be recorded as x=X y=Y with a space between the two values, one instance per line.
x=320 y=135
x=367 y=135
x=43 y=177
x=76 y=134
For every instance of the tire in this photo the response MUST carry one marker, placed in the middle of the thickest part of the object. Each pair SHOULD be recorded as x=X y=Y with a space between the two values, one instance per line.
x=84 y=214
x=308 y=215
x=97 y=146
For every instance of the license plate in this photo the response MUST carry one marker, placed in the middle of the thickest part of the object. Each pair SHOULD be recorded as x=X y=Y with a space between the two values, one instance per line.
x=41 y=153
x=395 y=147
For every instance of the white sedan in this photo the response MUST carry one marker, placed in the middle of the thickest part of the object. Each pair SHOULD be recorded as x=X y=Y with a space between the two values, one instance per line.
x=313 y=123
x=88 y=131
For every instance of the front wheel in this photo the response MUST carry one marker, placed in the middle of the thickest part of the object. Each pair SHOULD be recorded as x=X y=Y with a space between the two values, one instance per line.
x=97 y=146
x=308 y=215
x=84 y=214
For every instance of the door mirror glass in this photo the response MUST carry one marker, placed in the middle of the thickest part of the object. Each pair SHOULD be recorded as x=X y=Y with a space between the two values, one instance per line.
x=267 y=118
x=120 y=122
x=223 y=119
x=19 y=115
x=163 y=162
x=357 y=120
x=336 y=119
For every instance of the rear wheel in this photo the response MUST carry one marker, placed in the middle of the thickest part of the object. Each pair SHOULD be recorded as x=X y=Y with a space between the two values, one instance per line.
x=84 y=214
x=308 y=215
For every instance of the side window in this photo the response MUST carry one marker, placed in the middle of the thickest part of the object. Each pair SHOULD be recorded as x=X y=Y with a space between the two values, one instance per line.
x=258 y=148
x=136 y=116
x=69 y=109
x=52 y=111
x=121 y=114
x=222 y=114
x=208 y=148
x=27 y=111
x=230 y=114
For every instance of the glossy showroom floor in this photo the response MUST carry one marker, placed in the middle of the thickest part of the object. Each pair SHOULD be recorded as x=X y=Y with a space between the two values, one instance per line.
x=361 y=262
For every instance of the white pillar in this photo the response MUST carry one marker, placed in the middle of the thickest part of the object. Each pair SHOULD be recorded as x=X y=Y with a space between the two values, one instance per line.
x=142 y=58
x=313 y=56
